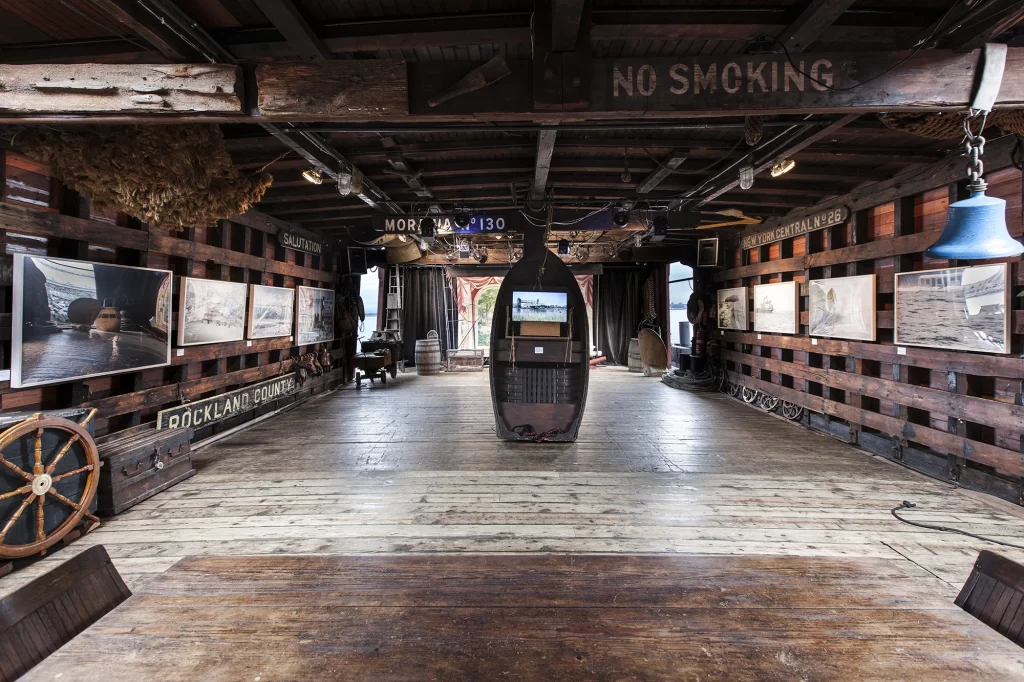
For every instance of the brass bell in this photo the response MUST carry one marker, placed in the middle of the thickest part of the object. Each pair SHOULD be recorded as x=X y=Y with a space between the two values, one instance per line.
x=975 y=229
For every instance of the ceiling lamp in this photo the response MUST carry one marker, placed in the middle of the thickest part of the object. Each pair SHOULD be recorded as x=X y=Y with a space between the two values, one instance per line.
x=313 y=175
x=975 y=227
x=461 y=218
x=782 y=167
x=621 y=218
x=746 y=177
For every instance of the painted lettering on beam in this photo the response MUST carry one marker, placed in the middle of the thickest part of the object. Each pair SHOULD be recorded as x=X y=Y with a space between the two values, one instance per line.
x=201 y=413
x=761 y=76
x=795 y=228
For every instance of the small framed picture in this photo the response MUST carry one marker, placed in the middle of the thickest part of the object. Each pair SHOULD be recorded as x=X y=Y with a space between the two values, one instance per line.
x=707 y=252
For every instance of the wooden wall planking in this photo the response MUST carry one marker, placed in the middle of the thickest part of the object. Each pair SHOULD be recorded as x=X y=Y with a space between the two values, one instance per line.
x=964 y=408
x=242 y=250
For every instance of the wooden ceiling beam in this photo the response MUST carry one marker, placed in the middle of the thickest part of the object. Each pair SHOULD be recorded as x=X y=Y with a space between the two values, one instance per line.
x=808 y=27
x=566 y=17
x=663 y=170
x=143 y=24
x=981 y=25
x=287 y=18
x=542 y=164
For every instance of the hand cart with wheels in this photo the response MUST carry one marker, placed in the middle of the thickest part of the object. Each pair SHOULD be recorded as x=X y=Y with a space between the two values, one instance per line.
x=373 y=366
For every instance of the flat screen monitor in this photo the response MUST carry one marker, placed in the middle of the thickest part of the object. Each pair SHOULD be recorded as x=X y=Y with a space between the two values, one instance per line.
x=540 y=306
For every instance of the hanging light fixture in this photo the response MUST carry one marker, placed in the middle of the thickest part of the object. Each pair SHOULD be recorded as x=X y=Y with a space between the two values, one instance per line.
x=313 y=175
x=746 y=177
x=975 y=227
x=782 y=167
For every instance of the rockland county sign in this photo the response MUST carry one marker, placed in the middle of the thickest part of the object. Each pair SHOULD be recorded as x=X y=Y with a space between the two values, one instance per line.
x=205 y=412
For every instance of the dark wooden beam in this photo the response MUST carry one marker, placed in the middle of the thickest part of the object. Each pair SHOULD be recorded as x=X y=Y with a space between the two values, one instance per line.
x=816 y=17
x=404 y=170
x=542 y=165
x=982 y=24
x=287 y=18
x=670 y=163
x=565 y=23
x=135 y=19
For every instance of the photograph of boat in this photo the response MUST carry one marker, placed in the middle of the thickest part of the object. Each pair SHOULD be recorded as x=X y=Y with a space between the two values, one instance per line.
x=539 y=306
x=314 y=315
x=732 y=308
x=778 y=308
x=843 y=308
x=210 y=311
x=75 y=319
x=954 y=308
x=270 y=311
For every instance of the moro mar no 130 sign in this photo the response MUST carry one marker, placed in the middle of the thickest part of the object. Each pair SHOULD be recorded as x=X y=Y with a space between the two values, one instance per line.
x=202 y=413
x=795 y=228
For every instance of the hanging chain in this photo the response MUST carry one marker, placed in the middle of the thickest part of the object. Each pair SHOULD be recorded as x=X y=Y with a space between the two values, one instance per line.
x=974 y=146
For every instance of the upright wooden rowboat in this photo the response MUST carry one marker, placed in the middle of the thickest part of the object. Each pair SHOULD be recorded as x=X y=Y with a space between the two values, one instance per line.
x=539 y=370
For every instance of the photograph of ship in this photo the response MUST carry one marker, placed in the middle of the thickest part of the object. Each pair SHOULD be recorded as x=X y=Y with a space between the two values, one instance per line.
x=270 y=311
x=777 y=308
x=707 y=252
x=540 y=306
x=74 y=319
x=843 y=308
x=314 y=315
x=210 y=311
x=732 y=308
x=954 y=308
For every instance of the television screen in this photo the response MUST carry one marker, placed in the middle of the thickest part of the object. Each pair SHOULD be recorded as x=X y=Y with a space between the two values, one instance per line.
x=540 y=306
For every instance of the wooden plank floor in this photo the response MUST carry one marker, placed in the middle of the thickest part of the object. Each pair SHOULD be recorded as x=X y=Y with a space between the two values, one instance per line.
x=535 y=617
x=414 y=467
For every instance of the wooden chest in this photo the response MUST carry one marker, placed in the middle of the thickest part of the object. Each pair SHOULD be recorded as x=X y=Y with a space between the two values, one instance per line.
x=139 y=463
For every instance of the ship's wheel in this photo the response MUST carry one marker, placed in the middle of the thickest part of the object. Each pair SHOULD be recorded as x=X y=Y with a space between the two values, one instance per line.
x=49 y=473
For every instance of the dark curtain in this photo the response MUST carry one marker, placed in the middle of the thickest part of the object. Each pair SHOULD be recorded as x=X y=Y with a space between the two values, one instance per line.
x=423 y=307
x=661 y=305
x=618 y=311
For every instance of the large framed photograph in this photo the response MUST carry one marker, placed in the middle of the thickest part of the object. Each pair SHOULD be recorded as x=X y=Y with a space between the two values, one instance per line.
x=271 y=311
x=707 y=252
x=210 y=311
x=75 y=319
x=777 y=308
x=843 y=308
x=732 y=309
x=954 y=308
x=314 y=315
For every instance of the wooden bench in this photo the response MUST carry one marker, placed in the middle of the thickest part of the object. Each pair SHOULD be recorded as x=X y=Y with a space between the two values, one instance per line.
x=994 y=594
x=48 y=612
x=140 y=462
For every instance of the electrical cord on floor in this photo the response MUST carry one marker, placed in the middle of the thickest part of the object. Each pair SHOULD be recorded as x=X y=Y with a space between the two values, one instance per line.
x=946 y=529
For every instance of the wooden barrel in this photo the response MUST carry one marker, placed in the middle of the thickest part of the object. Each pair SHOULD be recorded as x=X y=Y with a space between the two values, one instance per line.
x=428 y=354
x=635 y=364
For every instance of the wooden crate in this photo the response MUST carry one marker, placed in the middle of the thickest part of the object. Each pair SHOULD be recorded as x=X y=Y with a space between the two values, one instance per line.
x=465 y=360
x=139 y=463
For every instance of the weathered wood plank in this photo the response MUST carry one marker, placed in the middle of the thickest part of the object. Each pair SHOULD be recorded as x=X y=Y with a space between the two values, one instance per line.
x=343 y=88
x=120 y=88
x=32 y=221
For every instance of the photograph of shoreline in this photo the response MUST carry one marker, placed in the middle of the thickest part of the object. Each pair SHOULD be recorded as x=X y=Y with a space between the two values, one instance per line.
x=843 y=308
x=270 y=311
x=732 y=309
x=314 y=315
x=777 y=308
x=210 y=311
x=76 y=319
x=540 y=306
x=954 y=308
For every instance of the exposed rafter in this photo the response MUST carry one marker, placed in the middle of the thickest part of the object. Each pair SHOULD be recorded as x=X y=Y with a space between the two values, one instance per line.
x=542 y=165
x=818 y=15
x=566 y=16
x=287 y=18
x=669 y=164
x=401 y=167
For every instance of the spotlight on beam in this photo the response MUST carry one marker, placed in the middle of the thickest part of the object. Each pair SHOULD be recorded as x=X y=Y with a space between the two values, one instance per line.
x=462 y=219
x=782 y=167
x=313 y=175
x=621 y=218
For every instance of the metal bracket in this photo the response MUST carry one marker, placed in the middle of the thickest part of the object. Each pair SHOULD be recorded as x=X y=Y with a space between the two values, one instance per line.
x=989 y=77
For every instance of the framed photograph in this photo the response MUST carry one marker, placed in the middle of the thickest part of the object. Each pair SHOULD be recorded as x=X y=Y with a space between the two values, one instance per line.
x=732 y=309
x=314 y=315
x=777 y=308
x=843 y=308
x=210 y=311
x=75 y=319
x=955 y=308
x=707 y=252
x=271 y=311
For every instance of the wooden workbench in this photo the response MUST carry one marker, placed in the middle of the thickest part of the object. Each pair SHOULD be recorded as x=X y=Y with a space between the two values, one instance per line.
x=494 y=617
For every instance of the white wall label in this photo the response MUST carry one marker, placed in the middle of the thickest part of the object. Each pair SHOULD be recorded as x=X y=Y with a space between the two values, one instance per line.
x=248 y=344
x=538 y=350
x=900 y=350
x=814 y=342
x=758 y=337
x=181 y=352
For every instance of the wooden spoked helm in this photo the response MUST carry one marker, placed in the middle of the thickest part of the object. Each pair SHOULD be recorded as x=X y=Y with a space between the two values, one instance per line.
x=49 y=473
